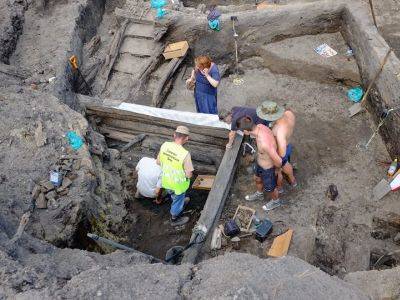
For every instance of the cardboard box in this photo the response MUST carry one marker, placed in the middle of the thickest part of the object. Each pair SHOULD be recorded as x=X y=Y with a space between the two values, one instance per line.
x=175 y=50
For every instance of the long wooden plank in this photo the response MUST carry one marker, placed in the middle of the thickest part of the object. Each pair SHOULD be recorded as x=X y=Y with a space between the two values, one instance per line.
x=216 y=198
x=280 y=245
x=104 y=111
x=112 y=55
x=211 y=156
x=134 y=127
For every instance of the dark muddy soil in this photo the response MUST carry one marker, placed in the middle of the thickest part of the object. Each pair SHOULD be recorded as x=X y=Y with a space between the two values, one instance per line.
x=151 y=231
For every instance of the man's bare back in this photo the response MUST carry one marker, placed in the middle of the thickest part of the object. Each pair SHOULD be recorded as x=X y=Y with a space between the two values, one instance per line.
x=283 y=130
x=267 y=156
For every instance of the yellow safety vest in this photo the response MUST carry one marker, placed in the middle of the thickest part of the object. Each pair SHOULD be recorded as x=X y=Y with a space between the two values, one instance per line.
x=173 y=177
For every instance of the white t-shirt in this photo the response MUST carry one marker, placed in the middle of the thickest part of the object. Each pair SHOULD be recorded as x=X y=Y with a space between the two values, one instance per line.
x=149 y=177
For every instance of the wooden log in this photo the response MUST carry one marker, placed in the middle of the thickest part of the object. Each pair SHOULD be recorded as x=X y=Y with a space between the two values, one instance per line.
x=127 y=16
x=104 y=111
x=158 y=95
x=209 y=156
x=112 y=55
x=135 y=140
x=216 y=198
x=135 y=127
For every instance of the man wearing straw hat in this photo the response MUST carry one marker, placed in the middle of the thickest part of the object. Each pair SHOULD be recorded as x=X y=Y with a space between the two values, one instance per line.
x=268 y=158
x=177 y=169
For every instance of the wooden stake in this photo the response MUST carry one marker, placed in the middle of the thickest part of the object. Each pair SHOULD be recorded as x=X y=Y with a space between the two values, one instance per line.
x=373 y=13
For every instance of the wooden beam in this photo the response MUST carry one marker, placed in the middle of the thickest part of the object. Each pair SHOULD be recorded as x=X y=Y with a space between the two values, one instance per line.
x=135 y=127
x=161 y=90
x=216 y=198
x=104 y=111
x=112 y=55
x=135 y=140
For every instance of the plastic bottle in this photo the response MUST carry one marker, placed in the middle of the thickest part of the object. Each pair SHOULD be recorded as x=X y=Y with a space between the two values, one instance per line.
x=393 y=168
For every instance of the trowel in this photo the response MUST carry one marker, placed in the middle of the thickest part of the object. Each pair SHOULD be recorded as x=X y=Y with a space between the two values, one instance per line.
x=358 y=107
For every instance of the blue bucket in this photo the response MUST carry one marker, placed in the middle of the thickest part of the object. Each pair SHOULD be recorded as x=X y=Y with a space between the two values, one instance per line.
x=355 y=94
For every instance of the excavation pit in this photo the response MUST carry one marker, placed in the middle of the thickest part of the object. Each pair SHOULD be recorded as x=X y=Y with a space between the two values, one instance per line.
x=278 y=62
x=286 y=68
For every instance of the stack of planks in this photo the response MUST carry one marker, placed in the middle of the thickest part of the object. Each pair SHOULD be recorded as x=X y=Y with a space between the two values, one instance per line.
x=123 y=125
x=206 y=144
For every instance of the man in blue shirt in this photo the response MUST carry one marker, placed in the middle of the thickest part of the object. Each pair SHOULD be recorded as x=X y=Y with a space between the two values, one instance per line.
x=235 y=115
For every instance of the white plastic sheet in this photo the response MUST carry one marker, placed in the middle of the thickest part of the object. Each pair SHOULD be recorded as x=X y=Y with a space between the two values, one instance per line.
x=175 y=115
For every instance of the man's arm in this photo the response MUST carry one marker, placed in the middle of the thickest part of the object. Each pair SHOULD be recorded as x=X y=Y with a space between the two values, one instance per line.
x=188 y=166
x=273 y=154
x=158 y=160
x=231 y=136
x=282 y=144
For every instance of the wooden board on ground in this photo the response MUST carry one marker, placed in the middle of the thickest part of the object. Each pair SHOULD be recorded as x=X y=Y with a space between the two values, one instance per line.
x=203 y=182
x=244 y=215
x=381 y=189
x=280 y=245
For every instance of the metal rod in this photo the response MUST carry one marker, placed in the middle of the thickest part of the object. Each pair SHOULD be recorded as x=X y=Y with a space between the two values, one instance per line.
x=380 y=124
x=373 y=13
x=95 y=237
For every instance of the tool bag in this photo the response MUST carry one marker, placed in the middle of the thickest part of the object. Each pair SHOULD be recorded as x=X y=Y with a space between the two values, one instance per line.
x=263 y=230
x=231 y=228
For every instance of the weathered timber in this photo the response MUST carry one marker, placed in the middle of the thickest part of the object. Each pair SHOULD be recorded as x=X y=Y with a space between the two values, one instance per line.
x=144 y=73
x=361 y=34
x=112 y=55
x=160 y=91
x=216 y=198
x=104 y=111
x=134 y=141
x=135 y=127
x=120 y=135
x=208 y=155
x=126 y=15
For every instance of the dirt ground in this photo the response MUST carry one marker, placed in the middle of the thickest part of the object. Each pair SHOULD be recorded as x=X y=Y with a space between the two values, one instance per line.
x=328 y=150
x=340 y=237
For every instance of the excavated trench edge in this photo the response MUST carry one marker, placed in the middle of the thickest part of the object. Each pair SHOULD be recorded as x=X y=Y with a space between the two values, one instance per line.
x=359 y=32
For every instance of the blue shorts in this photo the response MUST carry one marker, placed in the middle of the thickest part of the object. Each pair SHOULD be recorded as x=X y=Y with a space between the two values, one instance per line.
x=286 y=158
x=268 y=177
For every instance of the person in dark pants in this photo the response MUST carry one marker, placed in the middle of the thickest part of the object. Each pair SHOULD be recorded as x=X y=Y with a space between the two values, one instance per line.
x=235 y=115
x=206 y=78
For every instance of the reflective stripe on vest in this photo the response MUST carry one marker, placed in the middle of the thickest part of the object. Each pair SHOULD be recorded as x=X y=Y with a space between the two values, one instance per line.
x=173 y=177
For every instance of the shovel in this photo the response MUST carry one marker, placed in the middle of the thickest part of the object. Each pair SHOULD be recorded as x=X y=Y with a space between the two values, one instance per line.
x=358 y=107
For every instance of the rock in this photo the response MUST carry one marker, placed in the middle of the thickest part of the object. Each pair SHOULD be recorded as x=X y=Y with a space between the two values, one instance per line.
x=383 y=284
x=36 y=191
x=40 y=136
x=41 y=201
x=47 y=185
x=51 y=195
x=332 y=192
x=66 y=183
x=396 y=239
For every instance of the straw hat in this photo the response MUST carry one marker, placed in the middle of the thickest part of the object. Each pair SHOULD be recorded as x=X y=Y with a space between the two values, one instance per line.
x=270 y=111
x=183 y=130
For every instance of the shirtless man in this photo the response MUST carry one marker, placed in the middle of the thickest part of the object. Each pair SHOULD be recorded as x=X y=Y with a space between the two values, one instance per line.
x=234 y=116
x=267 y=160
x=283 y=130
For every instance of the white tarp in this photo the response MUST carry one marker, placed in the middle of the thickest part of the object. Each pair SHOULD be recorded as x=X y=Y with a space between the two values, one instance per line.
x=175 y=115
